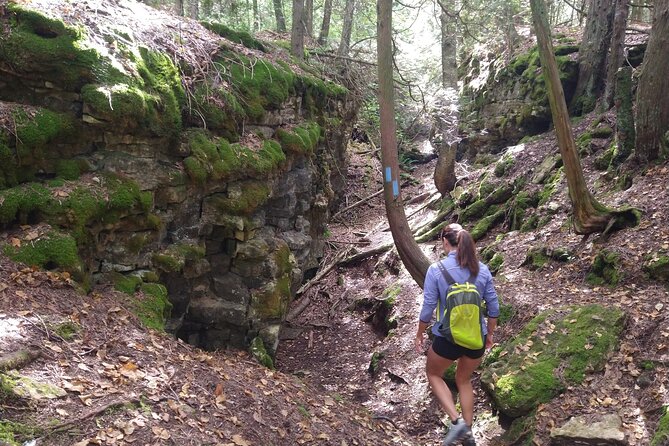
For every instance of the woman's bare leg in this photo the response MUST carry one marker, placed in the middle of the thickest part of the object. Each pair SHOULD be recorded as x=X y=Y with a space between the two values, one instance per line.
x=435 y=368
x=463 y=379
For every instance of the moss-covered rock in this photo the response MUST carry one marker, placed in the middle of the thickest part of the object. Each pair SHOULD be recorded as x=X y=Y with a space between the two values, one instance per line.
x=661 y=436
x=538 y=256
x=605 y=269
x=39 y=44
x=152 y=305
x=657 y=266
x=556 y=349
x=486 y=224
x=51 y=250
x=301 y=140
x=243 y=200
x=522 y=430
x=236 y=36
x=271 y=301
x=15 y=434
x=259 y=352
x=174 y=257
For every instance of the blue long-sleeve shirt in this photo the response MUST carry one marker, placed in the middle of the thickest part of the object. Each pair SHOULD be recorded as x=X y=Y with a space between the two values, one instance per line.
x=435 y=288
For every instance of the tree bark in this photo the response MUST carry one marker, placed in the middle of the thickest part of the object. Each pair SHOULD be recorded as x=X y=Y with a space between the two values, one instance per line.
x=325 y=26
x=413 y=258
x=309 y=17
x=194 y=9
x=616 y=52
x=449 y=77
x=444 y=171
x=652 y=117
x=297 y=34
x=624 y=116
x=280 y=18
x=179 y=7
x=347 y=29
x=589 y=216
x=256 y=16
x=592 y=56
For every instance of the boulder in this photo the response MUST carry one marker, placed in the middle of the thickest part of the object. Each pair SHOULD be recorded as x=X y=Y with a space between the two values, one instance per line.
x=595 y=430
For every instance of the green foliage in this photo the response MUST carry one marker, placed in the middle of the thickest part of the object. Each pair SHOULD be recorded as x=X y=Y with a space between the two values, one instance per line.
x=242 y=37
x=66 y=330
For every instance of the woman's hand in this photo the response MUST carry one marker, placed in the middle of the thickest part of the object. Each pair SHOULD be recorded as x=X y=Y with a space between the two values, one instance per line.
x=419 y=343
x=488 y=341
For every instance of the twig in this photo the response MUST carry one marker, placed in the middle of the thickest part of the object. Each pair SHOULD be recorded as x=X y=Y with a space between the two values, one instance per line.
x=323 y=272
x=62 y=426
x=358 y=203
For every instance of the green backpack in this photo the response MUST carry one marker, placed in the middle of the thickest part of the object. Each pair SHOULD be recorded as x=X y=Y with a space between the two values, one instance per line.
x=461 y=320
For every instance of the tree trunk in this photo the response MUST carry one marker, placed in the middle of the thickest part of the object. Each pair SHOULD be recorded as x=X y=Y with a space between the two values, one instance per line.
x=179 y=7
x=444 y=171
x=449 y=76
x=325 y=27
x=347 y=28
x=616 y=52
x=589 y=215
x=256 y=16
x=297 y=34
x=194 y=9
x=624 y=116
x=309 y=18
x=280 y=18
x=652 y=116
x=413 y=258
x=207 y=6
x=592 y=56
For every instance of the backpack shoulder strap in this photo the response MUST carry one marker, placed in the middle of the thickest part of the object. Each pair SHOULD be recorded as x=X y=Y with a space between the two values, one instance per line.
x=447 y=276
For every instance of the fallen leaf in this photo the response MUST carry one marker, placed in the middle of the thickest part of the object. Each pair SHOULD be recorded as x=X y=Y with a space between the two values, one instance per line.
x=239 y=440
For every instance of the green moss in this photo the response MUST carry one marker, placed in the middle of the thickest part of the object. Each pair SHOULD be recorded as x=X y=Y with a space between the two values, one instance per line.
x=602 y=132
x=220 y=110
x=38 y=44
x=127 y=284
x=66 y=330
x=657 y=267
x=49 y=251
x=551 y=186
x=536 y=258
x=150 y=277
x=271 y=302
x=153 y=306
x=14 y=434
x=605 y=269
x=259 y=352
x=555 y=350
x=68 y=169
x=504 y=165
x=522 y=431
x=486 y=224
x=495 y=264
x=474 y=211
x=168 y=262
x=20 y=203
x=174 y=258
x=303 y=139
x=661 y=435
x=35 y=131
x=375 y=362
x=236 y=36
x=253 y=195
x=390 y=294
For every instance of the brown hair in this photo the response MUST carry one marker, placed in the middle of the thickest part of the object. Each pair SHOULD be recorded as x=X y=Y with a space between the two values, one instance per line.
x=461 y=239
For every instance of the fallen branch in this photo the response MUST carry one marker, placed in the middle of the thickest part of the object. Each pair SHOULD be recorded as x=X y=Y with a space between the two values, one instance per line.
x=363 y=255
x=301 y=306
x=358 y=203
x=323 y=272
x=18 y=359
x=351 y=59
x=97 y=411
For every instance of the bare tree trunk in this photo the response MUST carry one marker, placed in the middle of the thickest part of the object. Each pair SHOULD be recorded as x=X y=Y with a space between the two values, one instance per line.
x=652 y=116
x=444 y=171
x=347 y=28
x=449 y=76
x=616 y=52
x=413 y=258
x=592 y=56
x=309 y=18
x=325 y=27
x=297 y=34
x=280 y=18
x=179 y=7
x=256 y=16
x=589 y=215
x=194 y=9
x=624 y=116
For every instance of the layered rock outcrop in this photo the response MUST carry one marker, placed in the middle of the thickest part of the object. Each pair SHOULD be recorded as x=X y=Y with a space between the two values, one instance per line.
x=193 y=172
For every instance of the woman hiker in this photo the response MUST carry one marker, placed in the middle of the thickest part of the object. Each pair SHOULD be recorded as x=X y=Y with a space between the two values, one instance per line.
x=461 y=265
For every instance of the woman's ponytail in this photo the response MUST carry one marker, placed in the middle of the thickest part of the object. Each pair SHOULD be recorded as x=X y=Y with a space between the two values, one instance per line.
x=467 y=252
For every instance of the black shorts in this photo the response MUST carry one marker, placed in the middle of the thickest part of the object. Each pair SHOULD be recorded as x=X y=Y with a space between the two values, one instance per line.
x=451 y=351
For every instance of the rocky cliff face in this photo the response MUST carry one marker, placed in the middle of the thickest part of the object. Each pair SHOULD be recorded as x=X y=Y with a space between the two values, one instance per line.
x=194 y=173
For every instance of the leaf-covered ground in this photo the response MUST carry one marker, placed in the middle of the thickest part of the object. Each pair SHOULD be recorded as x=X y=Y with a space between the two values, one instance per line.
x=336 y=348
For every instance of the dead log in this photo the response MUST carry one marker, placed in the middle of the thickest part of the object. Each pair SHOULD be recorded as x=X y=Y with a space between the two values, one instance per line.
x=18 y=359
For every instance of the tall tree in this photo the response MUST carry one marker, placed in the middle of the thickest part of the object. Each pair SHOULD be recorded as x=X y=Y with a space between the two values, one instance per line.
x=256 y=16
x=448 y=23
x=589 y=215
x=652 y=117
x=325 y=26
x=309 y=18
x=413 y=258
x=280 y=18
x=347 y=28
x=592 y=56
x=179 y=7
x=616 y=52
x=297 y=34
x=194 y=9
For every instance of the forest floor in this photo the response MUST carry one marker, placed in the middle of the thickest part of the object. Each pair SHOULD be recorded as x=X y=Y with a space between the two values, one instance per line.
x=118 y=383
x=336 y=344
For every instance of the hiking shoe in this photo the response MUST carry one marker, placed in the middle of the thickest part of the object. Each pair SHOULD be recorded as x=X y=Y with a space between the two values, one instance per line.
x=469 y=440
x=457 y=432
